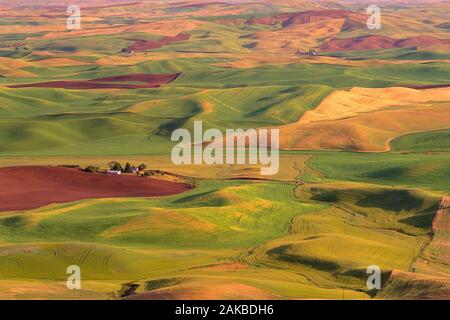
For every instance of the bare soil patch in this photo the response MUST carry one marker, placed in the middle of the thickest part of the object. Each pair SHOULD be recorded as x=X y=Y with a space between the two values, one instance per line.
x=29 y=187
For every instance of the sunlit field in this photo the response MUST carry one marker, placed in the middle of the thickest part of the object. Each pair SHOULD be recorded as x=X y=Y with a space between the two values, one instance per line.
x=88 y=178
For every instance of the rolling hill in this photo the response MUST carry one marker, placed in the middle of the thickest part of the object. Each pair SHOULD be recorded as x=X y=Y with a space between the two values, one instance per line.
x=365 y=150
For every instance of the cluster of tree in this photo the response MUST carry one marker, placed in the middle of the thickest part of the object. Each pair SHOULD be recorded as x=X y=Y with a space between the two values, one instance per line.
x=116 y=166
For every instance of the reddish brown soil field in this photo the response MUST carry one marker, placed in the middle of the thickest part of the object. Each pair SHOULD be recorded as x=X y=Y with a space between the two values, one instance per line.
x=143 y=45
x=119 y=82
x=29 y=187
x=380 y=42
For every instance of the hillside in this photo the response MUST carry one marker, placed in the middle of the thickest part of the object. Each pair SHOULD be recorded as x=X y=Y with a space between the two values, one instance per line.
x=364 y=130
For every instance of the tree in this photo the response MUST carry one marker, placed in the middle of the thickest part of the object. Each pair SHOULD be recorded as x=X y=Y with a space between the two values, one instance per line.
x=128 y=168
x=116 y=166
x=142 y=167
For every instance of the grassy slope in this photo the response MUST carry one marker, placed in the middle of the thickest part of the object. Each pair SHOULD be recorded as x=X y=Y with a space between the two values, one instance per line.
x=271 y=95
x=218 y=222
x=261 y=96
x=412 y=170
x=423 y=142
x=148 y=239
x=205 y=228
x=100 y=123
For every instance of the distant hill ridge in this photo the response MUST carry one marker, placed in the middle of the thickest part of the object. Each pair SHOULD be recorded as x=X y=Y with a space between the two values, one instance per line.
x=375 y=42
x=353 y=20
